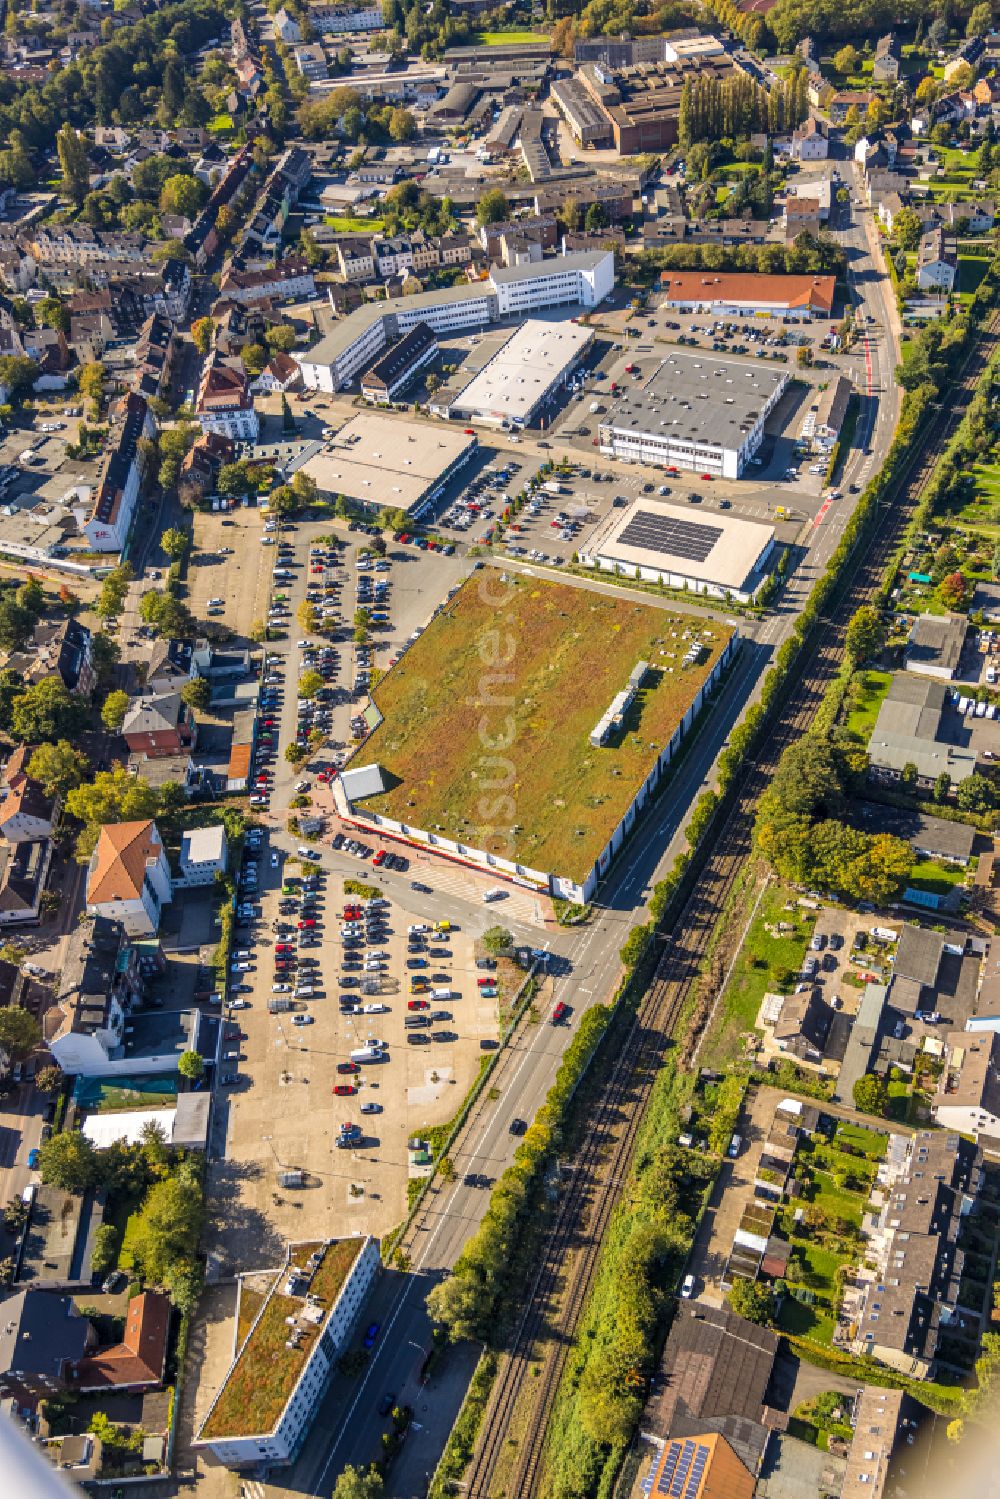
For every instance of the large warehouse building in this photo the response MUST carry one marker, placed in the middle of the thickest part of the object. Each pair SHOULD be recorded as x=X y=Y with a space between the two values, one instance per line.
x=742 y=295
x=581 y=279
x=513 y=387
x=384 y=460
x=665 y=544
x=697 y=411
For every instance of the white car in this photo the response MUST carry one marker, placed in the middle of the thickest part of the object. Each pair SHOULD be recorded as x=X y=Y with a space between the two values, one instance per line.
x=371 y=1108
x=374 y=1009
x=239 y=1004
x=267 y=541
x=281 y=988
x=274 y=859
x=239 y=968
x=418 y=926
x=305 y=645
x=302 y=1020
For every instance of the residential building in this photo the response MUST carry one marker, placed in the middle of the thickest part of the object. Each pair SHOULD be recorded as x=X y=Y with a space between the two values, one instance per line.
x=937 y=262
x=224 y=404
x=908 y=731
x=204 y=855
x=155 y=351
x=803 y=1027
x=392 y=255
x=26 y=813
x=888 y=56
x=340 y=20
x=128 y=878
x=42 y=1338
x=286 y=281
x=970 y=54
x=810 y=141
x=119 y=478
x=139 y=1361
x=356 y=260
x=967 y=1099
x=829 y=412
x=935 y=644
x=287 y=28
x=928 y=1186
x=703 y=1466
x=159 y=724
x=310 y=59
x=278 y=375
x=60 y=647
x=390 y=375
x=203 y=460
x=24 y=869
x=884 y=1426
x=297 y=1334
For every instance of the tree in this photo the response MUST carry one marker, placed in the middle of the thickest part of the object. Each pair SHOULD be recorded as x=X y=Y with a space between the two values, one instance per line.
x=751 y=1300
x=47 y=711
x=497 y=940
x=907 y=229
x=183 y=195
x=307 y=616
x=91 y=382
x=112 y=796
x=402 y=125
x=49 y=1079
x=310 y=683
x=202 y=334
x=254 y=358
x=197 y=693
x=167 y=616
x=20 y=1032
x=68 y=1161
x=114 y=710
x=595 y=218
x=107 y=1247
x=166 y=1230
x=111 y=599
x=955 y=1430
x=942 y=787
x=18 y=373
x=296 y=753
x=976 y=794
x=16 y=623
x=493 y=207
x=846 y=60
x=865 y=633
x=72 y=151
x=354 y=1483
x=191 y=1064
x=871 y=1094
x=174 y=542
x=952 y=590
x=52 y=313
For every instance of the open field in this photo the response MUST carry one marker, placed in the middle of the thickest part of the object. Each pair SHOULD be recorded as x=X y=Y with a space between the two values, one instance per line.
x=488 y=715
x=507 y=38
x=353 y=226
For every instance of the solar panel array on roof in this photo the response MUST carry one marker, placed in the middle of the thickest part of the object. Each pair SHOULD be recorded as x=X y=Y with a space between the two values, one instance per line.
x=665 y=533
x=683 y=1470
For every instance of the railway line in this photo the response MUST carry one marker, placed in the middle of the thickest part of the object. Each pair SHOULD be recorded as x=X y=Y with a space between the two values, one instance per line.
x=544 y=1334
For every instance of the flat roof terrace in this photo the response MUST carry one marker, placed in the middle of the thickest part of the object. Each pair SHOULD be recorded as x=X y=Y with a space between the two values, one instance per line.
x=566 y=652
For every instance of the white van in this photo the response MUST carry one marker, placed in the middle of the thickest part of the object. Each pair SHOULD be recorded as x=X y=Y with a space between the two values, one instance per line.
x=304 y=991
x=687 y=1287
x=441 y=994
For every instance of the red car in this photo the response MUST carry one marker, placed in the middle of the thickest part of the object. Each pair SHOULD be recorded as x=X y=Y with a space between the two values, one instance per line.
x=352 y=913
x=344 y=1090
x=283 y=947
x=486 y=983
x=325 y=776
x=348 y=1067
x=706 y=476
x=379 y=858
x=469 y=431
x=559 y=1013
x=416 y=1004
x=308 y=922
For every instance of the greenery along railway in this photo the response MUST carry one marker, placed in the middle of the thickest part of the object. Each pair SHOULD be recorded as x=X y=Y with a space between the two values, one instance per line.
x=668 y=1013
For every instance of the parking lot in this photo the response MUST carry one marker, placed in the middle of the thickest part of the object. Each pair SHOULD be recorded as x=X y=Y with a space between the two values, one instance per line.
x=310 y=987
x=228 y=564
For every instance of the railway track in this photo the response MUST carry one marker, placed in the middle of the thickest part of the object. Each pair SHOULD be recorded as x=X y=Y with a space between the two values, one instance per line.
x=570 y=1254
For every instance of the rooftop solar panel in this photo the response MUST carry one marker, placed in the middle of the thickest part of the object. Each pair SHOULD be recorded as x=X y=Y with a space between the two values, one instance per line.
x=667 y=534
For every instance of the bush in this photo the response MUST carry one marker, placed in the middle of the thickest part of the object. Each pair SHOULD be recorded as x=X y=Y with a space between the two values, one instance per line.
x=104 y=1255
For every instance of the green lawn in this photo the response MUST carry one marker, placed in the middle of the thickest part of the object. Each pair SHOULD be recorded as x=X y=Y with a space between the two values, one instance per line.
x=870 y=1141
x=507 y=38
x=971 y=270
x=219 y=123
x=838 y=1202
x=353 y=226
x=935 y=877
x=870 y=688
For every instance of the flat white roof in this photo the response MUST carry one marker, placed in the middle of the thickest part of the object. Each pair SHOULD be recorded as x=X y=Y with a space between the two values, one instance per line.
x=103 y=1130
x=386 y=460
x=203 y=845
x=523 y=371
x=709 y=547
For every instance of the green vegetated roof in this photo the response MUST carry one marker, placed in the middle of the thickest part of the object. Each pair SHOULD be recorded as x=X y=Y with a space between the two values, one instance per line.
x=266 y=1371
x=487 y=717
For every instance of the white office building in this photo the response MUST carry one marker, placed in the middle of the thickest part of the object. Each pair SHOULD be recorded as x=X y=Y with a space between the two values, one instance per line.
x=581 y=279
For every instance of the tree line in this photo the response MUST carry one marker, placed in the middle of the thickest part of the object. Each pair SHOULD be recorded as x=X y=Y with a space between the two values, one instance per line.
x=719 y=109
